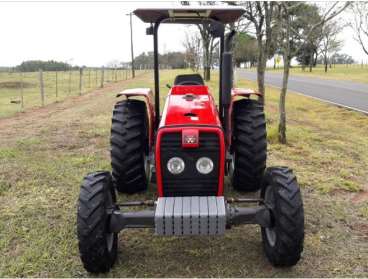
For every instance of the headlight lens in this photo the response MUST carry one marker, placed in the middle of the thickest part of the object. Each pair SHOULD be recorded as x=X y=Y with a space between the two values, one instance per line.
x=176 y=165
x=204 y=165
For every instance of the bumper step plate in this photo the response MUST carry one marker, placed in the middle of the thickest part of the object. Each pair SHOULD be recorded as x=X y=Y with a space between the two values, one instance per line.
x=190 y=216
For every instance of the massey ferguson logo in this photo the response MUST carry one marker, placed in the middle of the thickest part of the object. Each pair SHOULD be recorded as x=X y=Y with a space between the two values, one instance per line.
x=190 y=139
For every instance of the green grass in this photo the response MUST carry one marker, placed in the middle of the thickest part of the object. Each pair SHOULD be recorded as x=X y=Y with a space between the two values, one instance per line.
x=11 y=88
x=353 y=72
x=45 y=153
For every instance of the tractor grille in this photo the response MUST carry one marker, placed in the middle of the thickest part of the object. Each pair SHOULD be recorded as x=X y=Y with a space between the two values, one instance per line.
x=190 y=182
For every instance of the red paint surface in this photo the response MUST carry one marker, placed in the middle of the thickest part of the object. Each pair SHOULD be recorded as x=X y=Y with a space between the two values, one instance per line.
x=190 y=105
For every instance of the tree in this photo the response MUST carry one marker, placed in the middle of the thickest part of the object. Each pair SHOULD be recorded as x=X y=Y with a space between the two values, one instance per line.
x=292 y=39
x=330 y=44
x=35 y=65
x=208 y=42
x=245 y=49
x=360 y=24
x=341 y=58
x=208 y=45
x=305 y=17
x=260 y=14
x=174 y=60
x=192 y=45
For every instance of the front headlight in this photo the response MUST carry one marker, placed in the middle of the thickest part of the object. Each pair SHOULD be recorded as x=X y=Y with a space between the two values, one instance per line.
x=204 y=165
x=176 y=165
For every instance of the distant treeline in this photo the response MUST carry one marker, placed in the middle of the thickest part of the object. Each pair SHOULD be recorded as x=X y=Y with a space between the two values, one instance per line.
x=173 y=60
x=51 y=65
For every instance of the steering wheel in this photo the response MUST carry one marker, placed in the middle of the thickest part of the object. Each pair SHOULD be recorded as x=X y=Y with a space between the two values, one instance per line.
x=190 y=82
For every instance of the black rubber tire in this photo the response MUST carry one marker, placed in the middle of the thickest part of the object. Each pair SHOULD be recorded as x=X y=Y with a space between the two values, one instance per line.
x=283 y=242
x=129 y=146
x=249 y=145
x=97 y=247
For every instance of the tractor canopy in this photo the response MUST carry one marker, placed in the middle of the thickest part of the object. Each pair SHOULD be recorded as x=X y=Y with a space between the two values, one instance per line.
x=214 y=20
x=190 y=15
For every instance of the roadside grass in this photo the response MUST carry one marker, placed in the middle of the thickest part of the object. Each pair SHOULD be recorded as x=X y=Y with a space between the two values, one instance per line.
x=44 y=155
x=11 y=87
x=355 y=72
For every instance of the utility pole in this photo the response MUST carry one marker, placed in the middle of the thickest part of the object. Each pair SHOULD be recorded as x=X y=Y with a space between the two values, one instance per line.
x=131 y=44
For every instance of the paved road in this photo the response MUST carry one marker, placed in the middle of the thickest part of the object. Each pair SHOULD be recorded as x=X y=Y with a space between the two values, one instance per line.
x=344 y=93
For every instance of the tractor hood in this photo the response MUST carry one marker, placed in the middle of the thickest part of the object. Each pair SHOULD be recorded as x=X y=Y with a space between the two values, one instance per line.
x=190 y=105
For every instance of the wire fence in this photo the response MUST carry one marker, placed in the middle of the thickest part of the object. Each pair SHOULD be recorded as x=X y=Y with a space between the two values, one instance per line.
x=23 y=90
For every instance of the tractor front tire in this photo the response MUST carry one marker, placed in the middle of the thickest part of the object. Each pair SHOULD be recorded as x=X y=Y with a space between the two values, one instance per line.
x=249 y=145
x=283 y=241
x=97 y=246
x=129 y=146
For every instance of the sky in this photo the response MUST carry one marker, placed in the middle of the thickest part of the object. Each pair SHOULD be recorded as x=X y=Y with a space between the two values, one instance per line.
x=91 y=33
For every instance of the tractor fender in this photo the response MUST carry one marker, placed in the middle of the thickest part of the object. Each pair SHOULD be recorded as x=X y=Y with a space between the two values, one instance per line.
x=235 y=94
x=147 y=94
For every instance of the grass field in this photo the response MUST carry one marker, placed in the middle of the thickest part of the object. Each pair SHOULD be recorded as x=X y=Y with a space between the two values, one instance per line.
x=353 y=72
x=45 y=153
x=13 y=83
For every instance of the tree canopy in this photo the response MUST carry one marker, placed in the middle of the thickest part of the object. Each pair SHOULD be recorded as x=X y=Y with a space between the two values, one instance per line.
x=35 y=65
x=173 y=60
x=245 y=49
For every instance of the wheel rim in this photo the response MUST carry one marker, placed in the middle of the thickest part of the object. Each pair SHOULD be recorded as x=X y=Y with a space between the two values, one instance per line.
x=147 y=167
x=269 y=200
x=109 y=236
x=232 y=165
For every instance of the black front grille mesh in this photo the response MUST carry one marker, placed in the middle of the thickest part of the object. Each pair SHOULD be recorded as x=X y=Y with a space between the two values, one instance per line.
x=190 y=182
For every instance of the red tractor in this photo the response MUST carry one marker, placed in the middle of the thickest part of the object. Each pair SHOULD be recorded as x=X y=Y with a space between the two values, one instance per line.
x=189 y=149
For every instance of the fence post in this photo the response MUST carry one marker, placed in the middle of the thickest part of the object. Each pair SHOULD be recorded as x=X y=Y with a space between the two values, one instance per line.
x=102 y=77
x=56 y=85
x=80 y=81
x=96 y=77
x=116 y=75
x=21 y=91
x=42 y=89
x=89 y=78
x=70 y=82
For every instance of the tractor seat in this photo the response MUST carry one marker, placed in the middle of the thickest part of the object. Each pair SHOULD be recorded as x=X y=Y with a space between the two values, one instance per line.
x=189 y=79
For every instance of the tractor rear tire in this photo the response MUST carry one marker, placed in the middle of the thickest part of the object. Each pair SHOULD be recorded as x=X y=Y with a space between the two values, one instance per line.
x=97 y=246
x=129 y=146
x=283 y=241
x=249 y=147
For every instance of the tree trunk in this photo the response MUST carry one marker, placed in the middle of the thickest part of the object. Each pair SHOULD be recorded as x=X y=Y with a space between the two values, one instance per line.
x=260 y=81
x=207 y=73
x=325 y=60
x=261 y=68
x=311 y=56
x=206 y=66
x=315 y=59
x=285 y=79
x=282 y=109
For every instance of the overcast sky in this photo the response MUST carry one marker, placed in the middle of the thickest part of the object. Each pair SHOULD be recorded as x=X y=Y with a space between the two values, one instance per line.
x=90 y=33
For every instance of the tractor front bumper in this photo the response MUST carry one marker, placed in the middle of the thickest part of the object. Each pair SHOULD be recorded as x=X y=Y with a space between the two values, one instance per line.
x=190 y=216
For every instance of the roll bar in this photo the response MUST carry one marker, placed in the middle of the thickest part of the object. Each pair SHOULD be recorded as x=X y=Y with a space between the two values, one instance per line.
x=153 y=30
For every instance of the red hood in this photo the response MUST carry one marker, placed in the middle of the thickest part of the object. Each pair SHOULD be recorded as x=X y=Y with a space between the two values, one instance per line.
x=190 y=105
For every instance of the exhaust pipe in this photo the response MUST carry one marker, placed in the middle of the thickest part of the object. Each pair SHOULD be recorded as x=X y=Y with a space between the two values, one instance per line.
x=227 y=79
